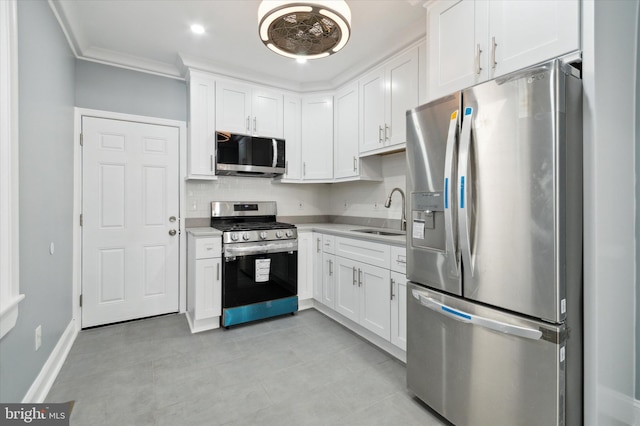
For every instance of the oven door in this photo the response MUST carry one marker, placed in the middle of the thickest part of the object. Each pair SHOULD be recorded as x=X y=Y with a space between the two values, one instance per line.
x=259 y=272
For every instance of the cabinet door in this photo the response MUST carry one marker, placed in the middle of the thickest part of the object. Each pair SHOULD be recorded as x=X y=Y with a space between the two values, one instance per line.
x=208 y=297
x=530 y=31
x=267 y=113
x=317 y=138
x=328 y=280
x=318 y=272
x=202 y=131
x=347 y=289
x=375 y=299
x=292 y=137
x=399 y=310
x=401 y=75
x=457 y=45
x=233 y=108
x=345 y=162
x=305 y=265
x=372 y=111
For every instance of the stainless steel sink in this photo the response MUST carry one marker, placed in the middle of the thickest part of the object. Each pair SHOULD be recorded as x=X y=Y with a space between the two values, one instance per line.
x=386 y=232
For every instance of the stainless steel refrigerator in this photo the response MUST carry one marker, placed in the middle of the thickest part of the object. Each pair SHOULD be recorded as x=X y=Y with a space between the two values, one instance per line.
x=494 y=250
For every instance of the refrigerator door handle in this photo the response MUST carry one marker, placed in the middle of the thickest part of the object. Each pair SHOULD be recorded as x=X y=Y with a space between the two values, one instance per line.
x=451 y=248
x=464 y=184
x=499 y=326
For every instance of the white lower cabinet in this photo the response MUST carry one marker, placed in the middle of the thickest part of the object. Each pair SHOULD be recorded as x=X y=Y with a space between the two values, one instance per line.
x=328 y=280
x=305 y=265
x=363 y=295
x=364 y=282
x=204 y=283
x=399 y=310
x=317 y=266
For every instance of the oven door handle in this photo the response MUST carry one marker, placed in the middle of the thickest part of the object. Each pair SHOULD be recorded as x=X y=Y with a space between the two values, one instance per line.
x=234 y=250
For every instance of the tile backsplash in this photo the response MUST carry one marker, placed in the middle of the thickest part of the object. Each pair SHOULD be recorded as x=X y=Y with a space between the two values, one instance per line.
x=361 y=199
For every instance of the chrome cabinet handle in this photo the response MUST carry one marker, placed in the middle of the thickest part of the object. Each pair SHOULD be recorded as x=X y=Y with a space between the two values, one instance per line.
x=493 y=52
x=254 y=124
x=354 y=276
x=478 y=52
x=355 y=164
x=304 y=169
x=400 y=260
x=359 y=277
x=211 y=165
x=248 y=119
x=380 y=134
x=392 y=284
x=286 y=167
x=172 y=232
x=217 y=271
x=386 y=132
x=317 y=245
x=330 y=267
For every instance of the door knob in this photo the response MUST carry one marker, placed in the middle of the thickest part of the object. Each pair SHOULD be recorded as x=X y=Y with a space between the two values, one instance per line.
x=172 y=218
x=172 y=232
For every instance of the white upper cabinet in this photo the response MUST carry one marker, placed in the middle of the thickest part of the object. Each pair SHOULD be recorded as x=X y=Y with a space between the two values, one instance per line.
x=472 y=41
x=346 y=155
x=293 y=138
x=386 y=93
x=249 y=110
x=317 y=138
x=202 y=131
x=523 y=33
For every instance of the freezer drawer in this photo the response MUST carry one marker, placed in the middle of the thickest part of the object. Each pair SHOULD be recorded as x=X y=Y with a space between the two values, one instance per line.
x=478 y=366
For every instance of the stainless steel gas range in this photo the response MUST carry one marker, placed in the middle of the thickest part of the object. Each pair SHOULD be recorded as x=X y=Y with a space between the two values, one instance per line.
x=260 y=261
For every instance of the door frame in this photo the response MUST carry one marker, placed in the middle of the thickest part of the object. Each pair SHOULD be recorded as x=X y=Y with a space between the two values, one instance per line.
x=77 y=200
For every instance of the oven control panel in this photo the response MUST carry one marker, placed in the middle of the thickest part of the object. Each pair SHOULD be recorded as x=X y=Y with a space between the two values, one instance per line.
x=262 y=235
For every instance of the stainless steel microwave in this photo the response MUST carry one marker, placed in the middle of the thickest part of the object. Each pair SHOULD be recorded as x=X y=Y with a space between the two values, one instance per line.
x=242 y=155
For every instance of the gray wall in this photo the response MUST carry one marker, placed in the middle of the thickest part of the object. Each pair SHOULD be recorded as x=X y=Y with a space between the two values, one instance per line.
x=46 y=95
x=115 y=89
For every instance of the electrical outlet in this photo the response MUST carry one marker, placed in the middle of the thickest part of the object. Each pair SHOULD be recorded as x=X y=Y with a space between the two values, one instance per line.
x=38 y=337
x=346 y=205
x=300 y=205
x=375 y=206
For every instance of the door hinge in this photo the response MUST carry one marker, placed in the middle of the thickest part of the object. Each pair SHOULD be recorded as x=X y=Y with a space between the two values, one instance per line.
x=81 y=141
x=81 y=301
x=81 y=220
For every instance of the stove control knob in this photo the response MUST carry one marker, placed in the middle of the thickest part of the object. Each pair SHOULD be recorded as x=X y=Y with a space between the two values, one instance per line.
x=263 y=235
x=289 y=233
x=234 y=237
x=279 y=234
x=245 y=236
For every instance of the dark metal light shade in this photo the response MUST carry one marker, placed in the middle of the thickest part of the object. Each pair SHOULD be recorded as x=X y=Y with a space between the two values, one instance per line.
x=304 y=29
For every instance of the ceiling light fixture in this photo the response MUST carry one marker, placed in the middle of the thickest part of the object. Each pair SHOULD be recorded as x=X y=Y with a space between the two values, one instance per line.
x=304 y=29
x=197 y=29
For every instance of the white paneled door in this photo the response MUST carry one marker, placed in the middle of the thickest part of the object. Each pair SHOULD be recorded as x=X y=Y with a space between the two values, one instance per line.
x=130 y=229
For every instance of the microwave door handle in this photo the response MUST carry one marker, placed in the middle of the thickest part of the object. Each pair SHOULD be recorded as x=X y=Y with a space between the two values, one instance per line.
x=466 y=317
x=464 y=184
x=449 y=192
x=275 y=153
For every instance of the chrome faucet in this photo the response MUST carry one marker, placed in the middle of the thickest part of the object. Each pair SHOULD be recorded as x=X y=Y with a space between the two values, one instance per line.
x=387 y=204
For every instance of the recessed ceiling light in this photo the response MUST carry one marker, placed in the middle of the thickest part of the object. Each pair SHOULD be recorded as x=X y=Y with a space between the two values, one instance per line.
x=197 y=29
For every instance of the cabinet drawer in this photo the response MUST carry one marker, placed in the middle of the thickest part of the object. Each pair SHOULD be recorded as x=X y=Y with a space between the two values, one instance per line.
x=363 y=251
x=208 y=247
x=399 y=259
x=329 y=244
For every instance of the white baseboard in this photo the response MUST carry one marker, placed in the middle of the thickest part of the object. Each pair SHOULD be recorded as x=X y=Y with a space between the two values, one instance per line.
x=42 y=384
x=616 y=405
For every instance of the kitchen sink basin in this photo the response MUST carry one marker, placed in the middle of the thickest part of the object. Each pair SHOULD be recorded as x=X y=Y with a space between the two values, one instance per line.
x=386 y=232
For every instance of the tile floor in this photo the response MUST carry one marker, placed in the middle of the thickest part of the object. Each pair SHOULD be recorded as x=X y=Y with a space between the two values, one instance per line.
x=295 y=370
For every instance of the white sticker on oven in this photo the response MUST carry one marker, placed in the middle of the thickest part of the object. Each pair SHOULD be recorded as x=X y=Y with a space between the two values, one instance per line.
x=418 y=229
x=262 y=270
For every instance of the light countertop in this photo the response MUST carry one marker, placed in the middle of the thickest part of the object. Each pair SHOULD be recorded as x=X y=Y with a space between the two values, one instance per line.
x=204 y=231
x=344 y=230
